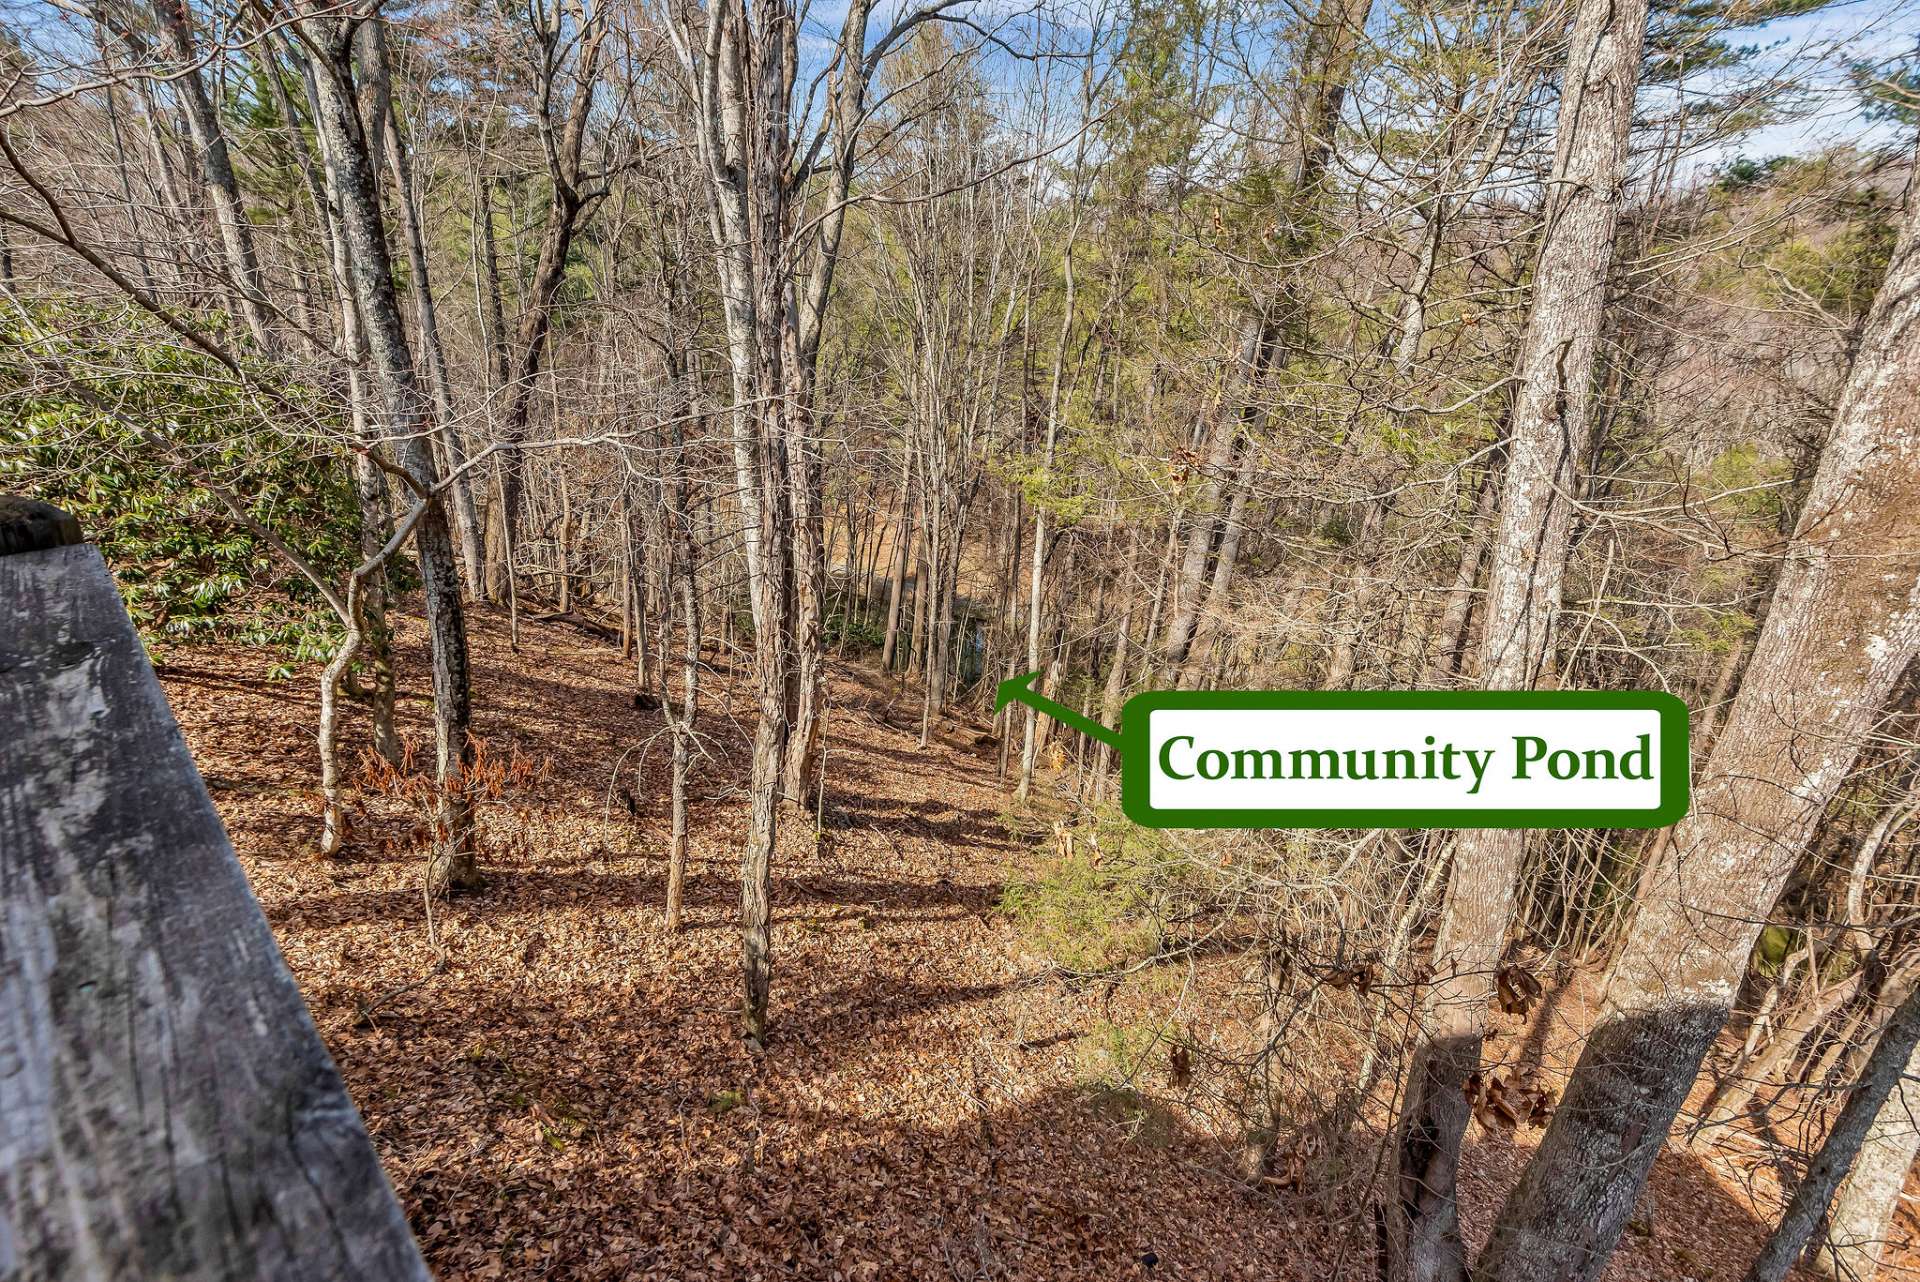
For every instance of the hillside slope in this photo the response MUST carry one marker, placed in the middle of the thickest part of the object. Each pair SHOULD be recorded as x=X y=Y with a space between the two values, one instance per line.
x=555 y=1085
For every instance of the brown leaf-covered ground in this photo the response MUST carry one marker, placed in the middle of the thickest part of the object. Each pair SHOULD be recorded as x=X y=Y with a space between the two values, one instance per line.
x=555 y=1084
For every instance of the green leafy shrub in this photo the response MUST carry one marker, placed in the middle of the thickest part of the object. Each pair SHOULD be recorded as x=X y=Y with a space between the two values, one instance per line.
x=1117 y=1055
x=1082 y=914
x=854 y=632
x=188 y=571
x=1101 y=901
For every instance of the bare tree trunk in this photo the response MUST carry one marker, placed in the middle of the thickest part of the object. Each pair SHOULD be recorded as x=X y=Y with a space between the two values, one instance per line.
x=683 y=724
x=562 y=546
x=1036 y=584
x=1865 y=1104
x=1365 y=576
x=1844 y=624
x=351 y=181
x=1448 y=650
x=1743 y=1081
x=216 y=171
x=681 y=556
x=333 y=821
x=749 y=212
x=376 y=516
x=633 y=625
x=466 y=519
x=917 y=638
x=801 y=326
x=1220 y=477
x=123 y=163
x=770 y=659
x=1552 y=419
x=1892 y=819
x=1413 y=316
x=897 y=581
x=1859 y=1223
x=492 y=311
x=807 y=618
x=369 y=482
x=564 y=213
x=742 y=64
x=1030 y=749
x=1116 y=686
x=1273 y=327
x=1220 y=588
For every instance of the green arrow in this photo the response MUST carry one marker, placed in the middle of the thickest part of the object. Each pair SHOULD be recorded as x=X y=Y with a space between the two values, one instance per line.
x=1021 y=689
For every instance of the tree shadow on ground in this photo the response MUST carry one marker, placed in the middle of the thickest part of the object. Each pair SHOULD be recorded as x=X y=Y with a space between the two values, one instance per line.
x=558 y=1090
x=1689 y=1222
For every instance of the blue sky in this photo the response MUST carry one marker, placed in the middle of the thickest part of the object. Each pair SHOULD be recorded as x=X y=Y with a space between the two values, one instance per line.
x=1813 y=49
x=1819 y=47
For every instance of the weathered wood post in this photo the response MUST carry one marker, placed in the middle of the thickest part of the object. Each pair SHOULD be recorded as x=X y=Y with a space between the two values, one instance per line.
x=167 y=1110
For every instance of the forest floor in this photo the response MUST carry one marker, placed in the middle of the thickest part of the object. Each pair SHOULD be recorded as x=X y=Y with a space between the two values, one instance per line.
x=556 y=1086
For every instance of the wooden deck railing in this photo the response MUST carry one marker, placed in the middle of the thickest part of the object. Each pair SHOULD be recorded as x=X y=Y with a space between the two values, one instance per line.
x=167 y=1110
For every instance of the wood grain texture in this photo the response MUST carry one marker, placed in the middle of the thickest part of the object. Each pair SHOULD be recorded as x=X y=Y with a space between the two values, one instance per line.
x=167 y=1109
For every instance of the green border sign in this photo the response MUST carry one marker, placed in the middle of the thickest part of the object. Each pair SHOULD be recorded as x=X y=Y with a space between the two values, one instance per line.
x=1136 y=763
